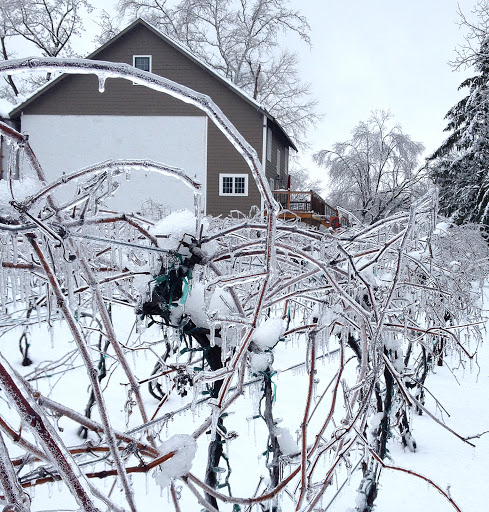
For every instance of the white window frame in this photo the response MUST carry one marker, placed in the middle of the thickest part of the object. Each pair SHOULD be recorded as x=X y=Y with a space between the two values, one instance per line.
x=150 y=57
x=224 y=175
x=278 y=161
x=269 y=144
x=286 y=160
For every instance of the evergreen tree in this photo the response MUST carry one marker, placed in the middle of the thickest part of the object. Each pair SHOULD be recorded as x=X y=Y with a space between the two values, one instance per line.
x=460 y=166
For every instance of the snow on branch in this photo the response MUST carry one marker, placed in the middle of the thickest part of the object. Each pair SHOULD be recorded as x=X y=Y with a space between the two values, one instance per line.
x=208 y=351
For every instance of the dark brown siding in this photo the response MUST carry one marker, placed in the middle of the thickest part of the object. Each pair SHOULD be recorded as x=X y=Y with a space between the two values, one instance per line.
x=279 y=143
x=78 y=95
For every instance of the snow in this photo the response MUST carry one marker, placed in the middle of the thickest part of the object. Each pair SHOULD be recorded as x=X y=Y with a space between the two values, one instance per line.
x=286 y=442
x=5 y=108
x=392 y=343
x=439 y=455
x=171 y=229
x=369 y=276
x=180 y=464
x=268 y=333
x=195 y=306
x=260 y=362
x=373 y=424
x=442 y=229
x=442 y=457
x=21 y=189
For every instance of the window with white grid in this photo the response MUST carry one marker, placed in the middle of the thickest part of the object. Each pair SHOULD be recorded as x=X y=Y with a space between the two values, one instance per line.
x=233 y=184
x=142 y=62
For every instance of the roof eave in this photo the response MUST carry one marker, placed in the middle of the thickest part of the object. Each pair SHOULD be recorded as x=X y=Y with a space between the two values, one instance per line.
x=16 y=112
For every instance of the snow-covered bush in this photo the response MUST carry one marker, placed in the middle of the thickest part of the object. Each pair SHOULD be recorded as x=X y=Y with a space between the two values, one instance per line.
x=215 y=316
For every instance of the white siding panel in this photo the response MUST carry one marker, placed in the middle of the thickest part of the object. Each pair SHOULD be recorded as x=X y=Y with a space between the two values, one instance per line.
x=64 y=144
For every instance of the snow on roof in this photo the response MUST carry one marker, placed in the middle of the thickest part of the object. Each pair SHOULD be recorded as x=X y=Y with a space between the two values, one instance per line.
x=5 y=108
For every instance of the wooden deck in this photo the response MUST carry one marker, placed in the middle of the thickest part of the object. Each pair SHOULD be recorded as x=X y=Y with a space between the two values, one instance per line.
x=309 y=206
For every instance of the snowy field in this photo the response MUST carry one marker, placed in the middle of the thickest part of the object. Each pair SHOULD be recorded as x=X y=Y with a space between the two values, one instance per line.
x=461 y=390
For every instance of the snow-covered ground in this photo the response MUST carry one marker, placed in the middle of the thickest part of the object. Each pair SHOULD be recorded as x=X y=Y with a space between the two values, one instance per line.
x=462 y=391
x=440 y=456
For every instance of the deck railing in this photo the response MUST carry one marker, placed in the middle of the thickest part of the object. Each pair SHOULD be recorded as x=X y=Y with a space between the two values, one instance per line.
x=306 y=201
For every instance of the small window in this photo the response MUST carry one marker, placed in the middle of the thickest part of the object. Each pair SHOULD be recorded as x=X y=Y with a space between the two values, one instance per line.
x=233 y=184
x=269 y=144
x=142 y=62
x=278 y=161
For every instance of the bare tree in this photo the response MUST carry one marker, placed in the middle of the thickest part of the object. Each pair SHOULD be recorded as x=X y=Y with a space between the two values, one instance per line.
x=49 y=25
x=476 y=29
x=221 y=298
x=109 y=27
x=241 y=41
x=301 y=180
x=375 y=172
x=6 y=32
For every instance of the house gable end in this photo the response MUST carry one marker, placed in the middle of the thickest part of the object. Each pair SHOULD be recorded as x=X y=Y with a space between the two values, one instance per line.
x=213 y=84
x=78 y=94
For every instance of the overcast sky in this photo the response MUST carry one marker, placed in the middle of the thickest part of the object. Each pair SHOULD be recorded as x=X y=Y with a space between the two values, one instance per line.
x=370 y=55
x=382 y=54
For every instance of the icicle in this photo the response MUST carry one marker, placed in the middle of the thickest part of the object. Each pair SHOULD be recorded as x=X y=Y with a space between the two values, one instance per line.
x=22 y=288
x=214 y=421
x=212 y=339
x=26 y=281
x=3 y=288
x=109 y=181
x=13 y=281
x=51 y=336
x=224 y=343
x=101 y=83
x=113 y=256
x=111 y=290
x=196 y=395
x=15 y=249
x=69 y=282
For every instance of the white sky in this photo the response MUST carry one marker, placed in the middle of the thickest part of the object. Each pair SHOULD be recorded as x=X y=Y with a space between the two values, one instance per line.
x=382 y=54
x=375 y=54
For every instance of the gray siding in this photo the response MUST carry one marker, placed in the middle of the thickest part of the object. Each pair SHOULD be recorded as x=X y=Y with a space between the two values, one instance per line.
x=78 y=95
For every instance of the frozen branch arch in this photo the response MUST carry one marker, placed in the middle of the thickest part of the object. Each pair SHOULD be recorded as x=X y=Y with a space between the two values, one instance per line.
x=166 y=323
x=104 y=70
